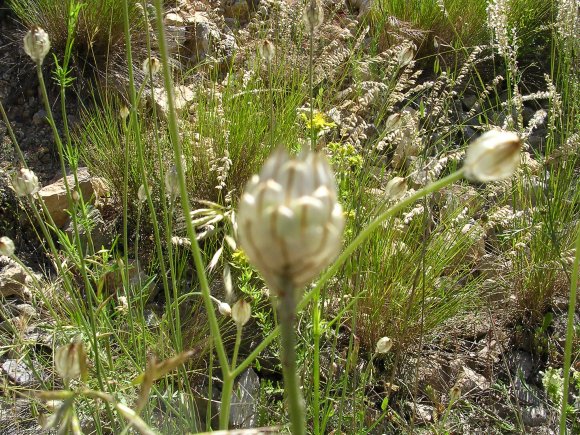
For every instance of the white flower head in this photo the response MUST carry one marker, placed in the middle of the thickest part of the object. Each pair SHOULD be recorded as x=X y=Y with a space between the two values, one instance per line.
x=384 y=345
x=241 y=312
x=405 y=56
x=495 y=155
x=289 y=220
x=225 y=309
x=25 y=182
x=267 y=51
x=313 y=15
x=396 y=188
x=70 y=360
x=6 y=246
x=142 y=194
x=151 y=66
x=36 y=44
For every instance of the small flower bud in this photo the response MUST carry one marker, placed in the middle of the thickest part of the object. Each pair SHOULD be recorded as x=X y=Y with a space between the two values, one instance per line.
x=454 y=394
x=6 y=246
x=495 y=155
x=384 y=345
x=406 y=56
x=267 y=51
x=396 y=188
x=225 y=309
x=75 y=196
x=36 y=44
x=393 y=121
x=141 y=194
x=70 y=361
x=241 y=312
x=124 y=112
x=151 y=66
x=289 y=220
x=313 y=15
x=172 y=182
x=25 y=182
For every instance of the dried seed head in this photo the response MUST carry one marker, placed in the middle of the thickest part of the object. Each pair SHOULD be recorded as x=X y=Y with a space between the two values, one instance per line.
x=141 y=194
x=289 y=220
x=267 y=51
x=225 y=309
x=25 y=182
x=384 y=345
x=406 y=56
x=495 y=155
x=151 y=66
x=396 y=188
x=36 y=44
x=6 y=246
x=313 y=15
x=70 y=361
x=241 y=312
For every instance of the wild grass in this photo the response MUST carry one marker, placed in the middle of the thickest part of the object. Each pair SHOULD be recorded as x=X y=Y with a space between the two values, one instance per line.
x=460 y=250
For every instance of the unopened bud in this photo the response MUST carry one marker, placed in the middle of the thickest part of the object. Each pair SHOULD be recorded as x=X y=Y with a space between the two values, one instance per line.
x=75 y=196
x=124 y=112
x=36 y=44
x=495 y=155
x=289 y=220
x=142 y=194
x=241 y=312
x=25 y=182
x=267 y=51
x=384 y=345
x=70 y=361
x=6 y=246
x=172 y=182
x=151 y=66
x=393 y=121
x=396 y=188
x=313 y=15
x=454 y=394
x=225 y=309
x=406 y=56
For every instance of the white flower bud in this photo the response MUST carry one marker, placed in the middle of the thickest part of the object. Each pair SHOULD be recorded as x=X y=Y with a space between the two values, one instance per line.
x=406 y=56
x=25 y=182
x=313 y=15
x=384 y=345
x=75 y=196
x=225 y=309
x=6 y=246
x=289 y=220
x=396 y=188
x=151 y=66
x=70 y=360
x=267 y=51
x=172 y=182
x=393 y=122
x=495 y=155
x=36 y=44
x=241 y=312
x=123 y=112
x=141 y=194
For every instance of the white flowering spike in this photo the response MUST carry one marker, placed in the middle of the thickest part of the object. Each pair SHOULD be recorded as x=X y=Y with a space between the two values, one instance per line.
x=225 y=309
x=36 y=44
x=267 y=51
x=241 y=312
x=25 y=182
x=6 y=246
x=313 y=15
x=151 y=66
x=70 y=361
x=495 y=155
x=289 y=220
x=384 y=345
x=141 y=194
x=396 y=188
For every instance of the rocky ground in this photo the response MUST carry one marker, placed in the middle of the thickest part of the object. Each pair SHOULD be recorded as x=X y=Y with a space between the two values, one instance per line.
x=496 y=364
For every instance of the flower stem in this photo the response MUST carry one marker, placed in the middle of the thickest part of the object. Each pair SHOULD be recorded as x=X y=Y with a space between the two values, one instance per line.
x=570 y=332
x=287 y=315
x=226 y=400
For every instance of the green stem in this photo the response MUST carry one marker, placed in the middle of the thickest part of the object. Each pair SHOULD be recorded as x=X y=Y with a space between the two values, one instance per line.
x=237 y=345
x=287 y=316
x=316 y=363
x=570 y=333
x=226 y=401
x=363 y=235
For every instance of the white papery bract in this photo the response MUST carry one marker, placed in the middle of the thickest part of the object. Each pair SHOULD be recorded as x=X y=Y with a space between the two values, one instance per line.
x=25 y=182
x=6 y=246
x=241 y=312
x=495 y=155
x=36 y=44
x=290 y=223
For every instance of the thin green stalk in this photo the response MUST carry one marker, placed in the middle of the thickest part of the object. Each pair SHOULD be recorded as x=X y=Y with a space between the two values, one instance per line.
x=570 y=333
x=346 y=254
x=316 y=331
x=287 y=316
x=311 y=90
x=226 y=400
x=237 y=345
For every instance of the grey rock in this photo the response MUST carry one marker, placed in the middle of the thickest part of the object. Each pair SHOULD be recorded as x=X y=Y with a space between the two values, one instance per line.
x=521 y=364
x=14 y=281
x=533 y=416
x=93 y=224
x=20 y=374
x=39 y=117
x=244 y=410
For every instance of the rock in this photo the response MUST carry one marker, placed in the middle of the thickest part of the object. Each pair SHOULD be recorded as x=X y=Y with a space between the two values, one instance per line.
x=520 y=364
x=423 y=413
x=184 y=96
x=20 y=374
x=533 y=416
x=55 y=198
x=94 y=224
x=202 y=35
x=14 y=281
x=470 y=381
x=244 y=411
x=237 y=10
x=39 y=117
x=527 y=394
x=469 y=101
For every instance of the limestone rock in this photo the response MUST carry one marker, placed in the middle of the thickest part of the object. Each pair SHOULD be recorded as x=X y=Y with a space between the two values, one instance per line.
x=14 y=281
